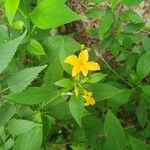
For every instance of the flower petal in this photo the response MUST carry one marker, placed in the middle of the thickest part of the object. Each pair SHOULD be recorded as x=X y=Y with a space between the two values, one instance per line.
x=83 y=57
x=93 y=66
x=91 y=101
x=76 y=70
x=72 y=60
x=84 y=70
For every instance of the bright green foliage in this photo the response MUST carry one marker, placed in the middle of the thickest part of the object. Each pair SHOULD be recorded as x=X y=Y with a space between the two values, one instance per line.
x=76 y=107
x=105 y=24
x=31 y=96
x=138 y=145
x=30 y=140
x=64 y=83
x=62 y=16
x=96 y=77
x=6 y=112
x=35 y=48
x=11 y=8
x=131 y=2
x=74 y=74
x=143 y=64
x=142 y=112
x=18 y=127
x=23 y=79
x=10 y=48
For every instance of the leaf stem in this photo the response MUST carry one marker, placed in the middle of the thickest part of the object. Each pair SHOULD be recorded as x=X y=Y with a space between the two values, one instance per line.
x=57 y=96
x=99 y=55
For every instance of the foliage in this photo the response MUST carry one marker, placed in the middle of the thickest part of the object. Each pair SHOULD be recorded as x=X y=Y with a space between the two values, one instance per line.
x=74 y=78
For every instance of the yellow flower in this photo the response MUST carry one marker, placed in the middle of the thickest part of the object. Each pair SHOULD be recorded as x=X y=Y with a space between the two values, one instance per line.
x=89 y=100
x=81 y=64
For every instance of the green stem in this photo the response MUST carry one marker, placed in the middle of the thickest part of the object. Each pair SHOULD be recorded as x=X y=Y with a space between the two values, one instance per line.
x=25 y=17
x=57 y=96
x=108 y=66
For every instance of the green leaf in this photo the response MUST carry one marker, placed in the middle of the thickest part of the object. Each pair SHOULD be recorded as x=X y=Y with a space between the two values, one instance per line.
x=105 y=24
x=11 y=8
x=146 y=89
x=53 y=74
x=23 y=79
x=7 y=51
x=76 y=106
x=64 y=53
x=142 y=112
x=114 y=3
x=102 y=91
x=131 y=27
x=131 y=2
x=31 y=140
x=115 y=137
x=52 y=44
x=9 y=143
x=95 y=13
x=55 y=13
x=138 y=144
x=6 y=112
x=17 y=127
x=92 y=126
x=97 y=1
x=34 y=47
x=146 y=44
x=47 y=125
x=31 y=96
x=60 y=111
x=96 y=77
x=134 y=17
x=64 y=83
x=120 y=99
x=143 y=64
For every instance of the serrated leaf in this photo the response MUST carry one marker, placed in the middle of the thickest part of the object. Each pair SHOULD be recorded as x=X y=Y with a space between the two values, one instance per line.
x=55 y=13
x=7 y=51
x=31 y=140
x=35 y=48
x=137 y=144
x=115 y=136
x=76 y=106
x=96 y=77
x=31 y=96
x=64 y=83
x=11 y=8
x=17 y=127
x=6 y=112
x=143 y=64
x=23 y=79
